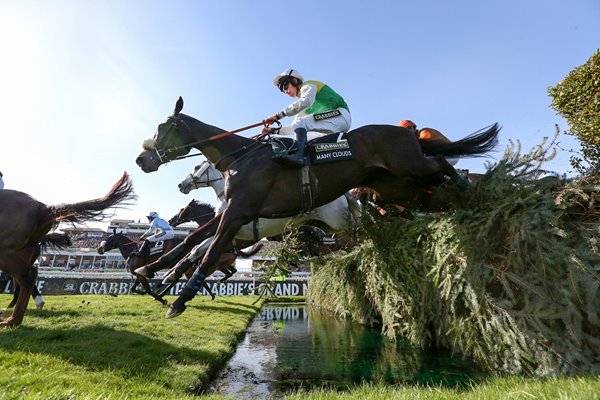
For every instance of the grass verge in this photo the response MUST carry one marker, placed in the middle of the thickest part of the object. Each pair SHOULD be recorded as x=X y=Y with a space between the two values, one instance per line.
x=101 y=347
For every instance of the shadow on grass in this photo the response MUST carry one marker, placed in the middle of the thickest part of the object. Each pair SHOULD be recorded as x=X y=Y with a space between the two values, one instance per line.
x=224 y=306
x=102 y=347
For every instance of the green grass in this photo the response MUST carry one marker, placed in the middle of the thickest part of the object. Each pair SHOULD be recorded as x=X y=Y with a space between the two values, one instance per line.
x=101 y=347
x=494 y=389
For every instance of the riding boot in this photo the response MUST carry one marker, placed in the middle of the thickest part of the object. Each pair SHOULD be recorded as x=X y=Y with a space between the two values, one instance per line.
x=187 y=293
x=298 y=157
x=176 y=273
x=140 y=251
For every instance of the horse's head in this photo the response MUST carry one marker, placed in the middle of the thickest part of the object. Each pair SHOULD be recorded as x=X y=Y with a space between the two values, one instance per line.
x=204 y=175
x=195 y=211
x=169 y=142
x=176 y=219
x=113 y=241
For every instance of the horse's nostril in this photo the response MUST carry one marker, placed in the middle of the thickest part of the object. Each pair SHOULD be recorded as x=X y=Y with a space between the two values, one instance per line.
x=180 y=186
x=138 y=161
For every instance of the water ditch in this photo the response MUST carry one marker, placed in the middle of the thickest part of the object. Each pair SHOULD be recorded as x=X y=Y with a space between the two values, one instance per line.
x=287 y=347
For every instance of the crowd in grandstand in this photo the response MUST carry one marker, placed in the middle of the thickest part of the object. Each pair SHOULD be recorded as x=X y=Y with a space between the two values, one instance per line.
x=83 y=241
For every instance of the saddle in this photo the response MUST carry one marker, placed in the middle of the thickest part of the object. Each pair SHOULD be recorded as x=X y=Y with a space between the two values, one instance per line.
x=157 y=248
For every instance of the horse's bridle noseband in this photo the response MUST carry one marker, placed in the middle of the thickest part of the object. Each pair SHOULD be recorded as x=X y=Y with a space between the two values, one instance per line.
x=162 y=153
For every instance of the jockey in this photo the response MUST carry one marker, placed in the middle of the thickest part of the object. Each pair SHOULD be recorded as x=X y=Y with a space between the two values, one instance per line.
x=427 y=134
x=159 y=230
x=1 y=181
x=319 y=108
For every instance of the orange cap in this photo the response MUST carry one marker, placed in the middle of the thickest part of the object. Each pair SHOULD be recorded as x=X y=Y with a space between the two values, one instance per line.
x=425 y=134
x=407 y=123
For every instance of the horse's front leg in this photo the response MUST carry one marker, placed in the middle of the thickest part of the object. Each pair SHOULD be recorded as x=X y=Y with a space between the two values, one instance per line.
x=227 y=230
x=178 y=252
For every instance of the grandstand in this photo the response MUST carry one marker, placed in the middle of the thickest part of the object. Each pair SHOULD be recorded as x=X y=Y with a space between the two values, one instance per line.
x=83 y=255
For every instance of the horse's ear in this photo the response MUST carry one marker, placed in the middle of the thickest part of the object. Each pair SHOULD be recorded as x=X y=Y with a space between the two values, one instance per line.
x=178 y=106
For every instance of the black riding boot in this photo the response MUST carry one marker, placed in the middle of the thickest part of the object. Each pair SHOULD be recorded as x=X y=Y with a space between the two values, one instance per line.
x=187 y=293
x=140 y=251
x=298 y=157
x=177 y=271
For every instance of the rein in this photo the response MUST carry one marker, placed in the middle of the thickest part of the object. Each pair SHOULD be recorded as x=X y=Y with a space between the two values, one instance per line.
x=214 y=137
x=258 y=141
x=244 y=148
x=188 y=156
x=162 y=153
x=131 y=242
x=193 y=217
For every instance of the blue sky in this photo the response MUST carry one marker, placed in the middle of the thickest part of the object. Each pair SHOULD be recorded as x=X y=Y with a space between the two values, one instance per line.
x=83 y=83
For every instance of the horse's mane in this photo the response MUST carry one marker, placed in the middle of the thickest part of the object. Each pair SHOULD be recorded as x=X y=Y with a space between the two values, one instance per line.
x=196 y=203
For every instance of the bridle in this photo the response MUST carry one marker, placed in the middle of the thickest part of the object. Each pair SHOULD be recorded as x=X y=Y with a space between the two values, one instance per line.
x=162 y=153
x=199 y=182
x=117 y=245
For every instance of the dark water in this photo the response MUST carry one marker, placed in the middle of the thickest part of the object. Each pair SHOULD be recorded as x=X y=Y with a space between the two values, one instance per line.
x=288 y=347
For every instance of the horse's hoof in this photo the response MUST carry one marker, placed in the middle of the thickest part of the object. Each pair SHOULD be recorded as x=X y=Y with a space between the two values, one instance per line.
x=143 y=272
x=174 y=311
x=40 y=306
x=9 y=322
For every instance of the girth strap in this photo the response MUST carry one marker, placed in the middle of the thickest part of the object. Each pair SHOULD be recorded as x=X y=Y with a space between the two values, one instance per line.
x=306 y=193
x=255 y=229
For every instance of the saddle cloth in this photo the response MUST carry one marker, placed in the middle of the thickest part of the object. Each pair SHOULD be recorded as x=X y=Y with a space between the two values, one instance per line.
x=157 y=248
x=324 y=149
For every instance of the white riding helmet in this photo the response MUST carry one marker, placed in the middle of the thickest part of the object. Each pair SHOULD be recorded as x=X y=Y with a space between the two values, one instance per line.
x=288 y=73
x=152 y=215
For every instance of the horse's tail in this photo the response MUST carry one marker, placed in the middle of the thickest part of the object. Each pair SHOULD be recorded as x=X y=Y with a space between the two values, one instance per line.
x=120 y=195
x=56 y=240
x=474 y=145
x=255 y=249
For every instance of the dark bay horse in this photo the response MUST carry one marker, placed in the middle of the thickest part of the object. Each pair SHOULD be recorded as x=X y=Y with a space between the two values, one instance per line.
x=198 y=212
x=334 y=216
x=26 y=221
x=194 y=211
x=30 y=254
x=201 y=213
x=127 y=246
x=430 y=200
x=385 y=158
